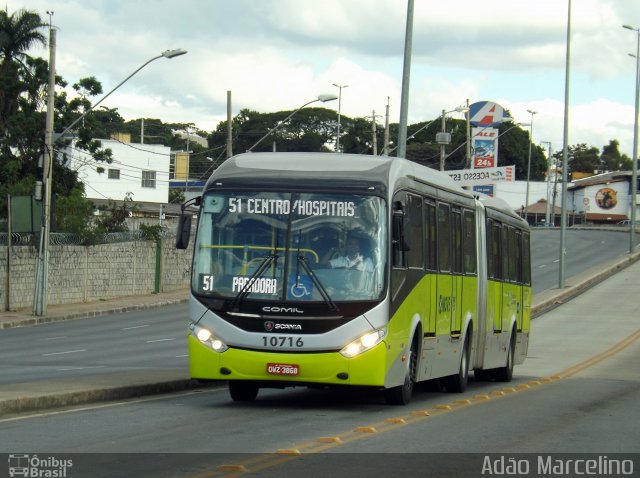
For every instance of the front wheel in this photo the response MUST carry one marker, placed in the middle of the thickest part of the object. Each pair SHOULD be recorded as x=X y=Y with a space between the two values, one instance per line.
x=402 y=395
x=458 y=383
x=241 y=391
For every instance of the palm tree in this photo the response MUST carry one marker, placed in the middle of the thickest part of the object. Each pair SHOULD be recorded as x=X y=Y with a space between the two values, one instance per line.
x=18 y=33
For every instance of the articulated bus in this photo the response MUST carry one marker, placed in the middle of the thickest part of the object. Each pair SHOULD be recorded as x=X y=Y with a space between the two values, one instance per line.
x=438 y=284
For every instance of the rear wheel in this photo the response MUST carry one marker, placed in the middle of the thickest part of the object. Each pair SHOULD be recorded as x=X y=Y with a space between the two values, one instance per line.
x=505 y=374
x=241 y=391
x=458 y=383
x=402 y=395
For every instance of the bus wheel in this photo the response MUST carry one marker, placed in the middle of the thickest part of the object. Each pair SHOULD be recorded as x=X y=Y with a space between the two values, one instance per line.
x=458 y=383
x=402 y=395
x=505 y=374
x=241 y=391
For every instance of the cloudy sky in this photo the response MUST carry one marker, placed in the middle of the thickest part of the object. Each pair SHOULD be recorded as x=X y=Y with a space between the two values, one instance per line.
x=279 y=54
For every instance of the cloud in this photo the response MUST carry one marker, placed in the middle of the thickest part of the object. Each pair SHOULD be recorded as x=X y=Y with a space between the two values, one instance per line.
x=278 y=54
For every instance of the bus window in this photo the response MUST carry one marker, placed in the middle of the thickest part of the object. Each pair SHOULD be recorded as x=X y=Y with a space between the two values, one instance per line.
x=430 y=234
x=494 y=250
x=506 y=252
x=414 y=215
x=271 y=246
x=469 y=241
x=518 y=256
x=444 y=233
x=456 y=235
x=526 y=259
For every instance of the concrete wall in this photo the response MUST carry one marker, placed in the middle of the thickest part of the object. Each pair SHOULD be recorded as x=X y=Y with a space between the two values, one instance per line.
x=89 y=273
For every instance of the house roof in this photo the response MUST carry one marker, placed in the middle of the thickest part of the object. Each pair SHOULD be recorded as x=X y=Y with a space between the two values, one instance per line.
x=541 y=208
x=604 y=178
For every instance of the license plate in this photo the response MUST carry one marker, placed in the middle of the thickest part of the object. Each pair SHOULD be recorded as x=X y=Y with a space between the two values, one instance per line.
x=283 y=369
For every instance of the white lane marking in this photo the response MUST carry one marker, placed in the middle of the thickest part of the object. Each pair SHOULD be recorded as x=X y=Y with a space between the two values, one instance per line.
x=55 y=338
x=542 y=266
x=557 y=260
x=135 y=327
x=69 y=369
x=65 y=352
x=181 y=356
x=159 y=340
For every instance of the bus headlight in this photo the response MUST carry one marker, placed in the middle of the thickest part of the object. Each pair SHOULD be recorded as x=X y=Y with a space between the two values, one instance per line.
x=363 y=343
x=207 y=337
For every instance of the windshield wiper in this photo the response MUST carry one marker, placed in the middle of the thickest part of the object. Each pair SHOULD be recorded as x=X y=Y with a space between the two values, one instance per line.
x=314 y=278
x=259 y=272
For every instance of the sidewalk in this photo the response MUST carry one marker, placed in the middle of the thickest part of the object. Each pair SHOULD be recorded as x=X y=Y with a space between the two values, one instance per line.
x=42 y=395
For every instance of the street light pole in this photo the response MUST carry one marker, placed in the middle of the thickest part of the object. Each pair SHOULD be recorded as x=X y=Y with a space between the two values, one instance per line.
x=548 y=211
x=40 y=296
x=323 y=98
x=565 y=153
x=406 y=76
x=339 y=110
x=526 y=199
x=634 y=168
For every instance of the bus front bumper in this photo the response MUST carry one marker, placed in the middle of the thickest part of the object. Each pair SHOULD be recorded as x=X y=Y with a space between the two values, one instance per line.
x=331 y=368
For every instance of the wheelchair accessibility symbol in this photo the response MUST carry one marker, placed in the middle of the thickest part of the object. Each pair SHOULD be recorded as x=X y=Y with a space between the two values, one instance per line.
x=301 y=287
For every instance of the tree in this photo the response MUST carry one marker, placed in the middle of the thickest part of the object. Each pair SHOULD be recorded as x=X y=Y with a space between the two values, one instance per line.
x=18 y=33
x=583 y=159
x=310 y=129
x=612 y=160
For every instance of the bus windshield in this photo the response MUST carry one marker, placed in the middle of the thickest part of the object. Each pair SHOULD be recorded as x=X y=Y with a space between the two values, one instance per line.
x=290 y=247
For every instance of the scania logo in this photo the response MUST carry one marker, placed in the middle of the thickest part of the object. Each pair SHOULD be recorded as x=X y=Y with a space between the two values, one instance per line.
x=283 y=310
x=271 y=326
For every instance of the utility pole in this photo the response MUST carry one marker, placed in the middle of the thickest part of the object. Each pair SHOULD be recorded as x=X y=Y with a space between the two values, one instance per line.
x=229 y=126
x=468 y=118
x=442 y=143
x=374 y=132
x=42 y=270
x=385 y=148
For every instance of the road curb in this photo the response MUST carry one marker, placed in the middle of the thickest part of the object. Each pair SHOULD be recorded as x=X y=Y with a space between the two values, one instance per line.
x=580 y=284
x=68 y=399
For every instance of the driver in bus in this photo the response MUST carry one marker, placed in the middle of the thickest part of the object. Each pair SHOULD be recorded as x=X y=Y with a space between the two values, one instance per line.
x=352 y=258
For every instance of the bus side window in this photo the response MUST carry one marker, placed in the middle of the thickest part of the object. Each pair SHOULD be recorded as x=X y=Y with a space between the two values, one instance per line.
x=399 y=241
x=456 y=235
x=414 y=220
x=526 y=259
x=430 y=235
x=469 y=241
x=444 y=233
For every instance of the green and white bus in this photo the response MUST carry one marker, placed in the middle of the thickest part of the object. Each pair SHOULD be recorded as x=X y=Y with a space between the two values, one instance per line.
x=441 y=286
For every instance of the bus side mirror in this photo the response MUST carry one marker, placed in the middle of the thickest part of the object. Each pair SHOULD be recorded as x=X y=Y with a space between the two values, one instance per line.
x=184 y=231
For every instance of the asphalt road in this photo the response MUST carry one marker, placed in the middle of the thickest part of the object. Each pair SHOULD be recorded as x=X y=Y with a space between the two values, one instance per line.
x=155 y=339
x=576 y=393
x=585 y=249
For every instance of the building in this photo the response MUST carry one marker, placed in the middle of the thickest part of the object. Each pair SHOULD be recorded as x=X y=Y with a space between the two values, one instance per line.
x=138 y=171
x=603 y=198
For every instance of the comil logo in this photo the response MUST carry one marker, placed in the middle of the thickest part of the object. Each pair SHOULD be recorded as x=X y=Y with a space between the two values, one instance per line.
x=34 y=466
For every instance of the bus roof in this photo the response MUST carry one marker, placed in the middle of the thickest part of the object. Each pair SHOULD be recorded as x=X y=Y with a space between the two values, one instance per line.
x=315 y=169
